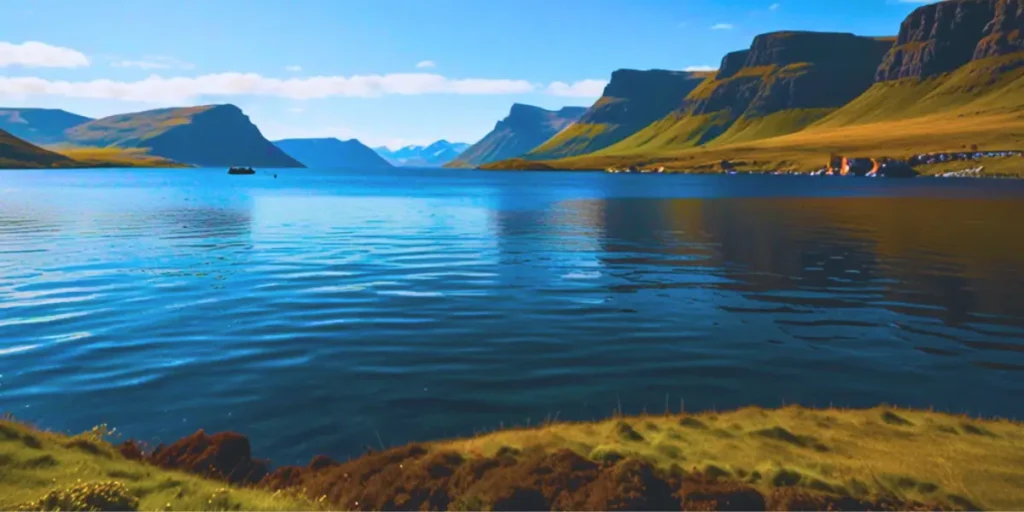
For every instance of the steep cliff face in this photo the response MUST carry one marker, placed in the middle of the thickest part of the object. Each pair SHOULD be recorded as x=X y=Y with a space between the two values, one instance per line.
x=525 y=128
x=787 y=81
x=1005 y=33
x=211 y=135
x=632 y=100
x=732 y=63
x=941 y=37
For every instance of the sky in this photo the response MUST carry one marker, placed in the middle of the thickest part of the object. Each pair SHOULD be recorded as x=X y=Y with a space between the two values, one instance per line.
x=388 y=72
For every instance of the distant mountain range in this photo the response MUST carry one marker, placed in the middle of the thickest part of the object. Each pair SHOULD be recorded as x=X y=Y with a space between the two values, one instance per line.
x=434 y=155
x=332 y=153
x=525 y=128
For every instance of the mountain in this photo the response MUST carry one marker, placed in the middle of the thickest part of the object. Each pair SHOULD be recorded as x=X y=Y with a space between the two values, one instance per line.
x=39 y=125
x=18 y=154
x=434 y=155
x=784 y=82
x=332 y=153
x=208 y=136
x=631 y=100
x=952 y=78
x=525 y=128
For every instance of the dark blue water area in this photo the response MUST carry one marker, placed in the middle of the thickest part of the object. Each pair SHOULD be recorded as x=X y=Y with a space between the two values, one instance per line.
x=322 y=309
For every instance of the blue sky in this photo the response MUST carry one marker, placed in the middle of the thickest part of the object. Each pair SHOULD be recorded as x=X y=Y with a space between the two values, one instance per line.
x=385 y=71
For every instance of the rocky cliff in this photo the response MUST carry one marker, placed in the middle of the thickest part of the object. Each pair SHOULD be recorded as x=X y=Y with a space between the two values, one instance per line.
x=525 y=128
x=786 y=81
x=732 y=63
x=632 y=100
x=208 y=136
x=331 y=153
x=941 y=37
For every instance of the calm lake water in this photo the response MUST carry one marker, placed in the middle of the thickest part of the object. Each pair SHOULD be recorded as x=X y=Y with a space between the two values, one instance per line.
x=321 y=309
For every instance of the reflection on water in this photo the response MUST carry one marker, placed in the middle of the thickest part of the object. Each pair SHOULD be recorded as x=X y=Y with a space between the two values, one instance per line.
x=317 y=311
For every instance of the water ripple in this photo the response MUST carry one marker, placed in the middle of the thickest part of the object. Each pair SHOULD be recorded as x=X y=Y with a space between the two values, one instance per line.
x=317 y=311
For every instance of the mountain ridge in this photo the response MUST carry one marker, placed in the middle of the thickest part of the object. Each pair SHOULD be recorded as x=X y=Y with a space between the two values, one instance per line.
x=967 y=91
x=330 y=152
x=523 y=129
x=207 y=135
x=39 y=125
x=435 y=154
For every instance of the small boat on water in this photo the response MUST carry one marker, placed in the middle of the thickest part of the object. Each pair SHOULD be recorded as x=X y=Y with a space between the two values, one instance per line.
x=241 y=170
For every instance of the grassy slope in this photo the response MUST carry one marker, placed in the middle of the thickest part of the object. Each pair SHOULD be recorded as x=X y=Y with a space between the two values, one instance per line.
x=114 y=157
x=981 y=103
x=933 y=457
x=32 y=463
x=18 y=154
x=586 y=135
x=133 y=128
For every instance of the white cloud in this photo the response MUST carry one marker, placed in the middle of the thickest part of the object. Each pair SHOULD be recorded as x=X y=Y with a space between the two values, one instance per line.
x=774 y=7
x=293 y=68
x=722 y=26
x=296 y=110
x=589 y=88
x=700 y=68
x=155 y=62
x=425 y=64
x=157 y=89
x=34 y=54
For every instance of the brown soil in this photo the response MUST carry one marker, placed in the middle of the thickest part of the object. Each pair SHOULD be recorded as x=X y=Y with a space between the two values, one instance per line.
x=414 y=478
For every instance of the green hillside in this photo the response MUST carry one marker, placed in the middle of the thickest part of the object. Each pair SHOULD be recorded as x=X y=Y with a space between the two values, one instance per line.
x=631 y=100
x=787 y=81
x=209 y=135
x=525 y=128
x=966 y=91
x=18 y=154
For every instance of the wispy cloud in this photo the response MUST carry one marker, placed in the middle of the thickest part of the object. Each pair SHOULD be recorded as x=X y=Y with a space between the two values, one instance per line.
x=589 y=88
x=296 y=110
x=157 y=89
x=293 y=68
x=722 y=26
x=700 y=68
x=33 y=54
x=425 y=64
x=154 y=62
x=774 y=7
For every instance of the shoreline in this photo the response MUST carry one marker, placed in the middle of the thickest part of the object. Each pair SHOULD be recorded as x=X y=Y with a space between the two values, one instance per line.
x=754 y=458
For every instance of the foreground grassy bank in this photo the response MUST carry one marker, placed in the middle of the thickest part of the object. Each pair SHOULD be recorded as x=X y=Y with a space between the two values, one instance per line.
x=752 y=458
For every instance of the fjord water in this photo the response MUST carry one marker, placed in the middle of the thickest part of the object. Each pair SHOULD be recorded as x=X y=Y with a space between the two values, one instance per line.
x=324 y=311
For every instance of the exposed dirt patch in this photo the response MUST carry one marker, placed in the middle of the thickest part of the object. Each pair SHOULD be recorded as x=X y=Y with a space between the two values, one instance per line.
x=414 y=478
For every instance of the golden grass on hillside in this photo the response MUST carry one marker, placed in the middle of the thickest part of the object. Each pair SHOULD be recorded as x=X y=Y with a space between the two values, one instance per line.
x=917 y=455
x=931 y=457
x=114 y=157
x=981 y=104
x=35 y=463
